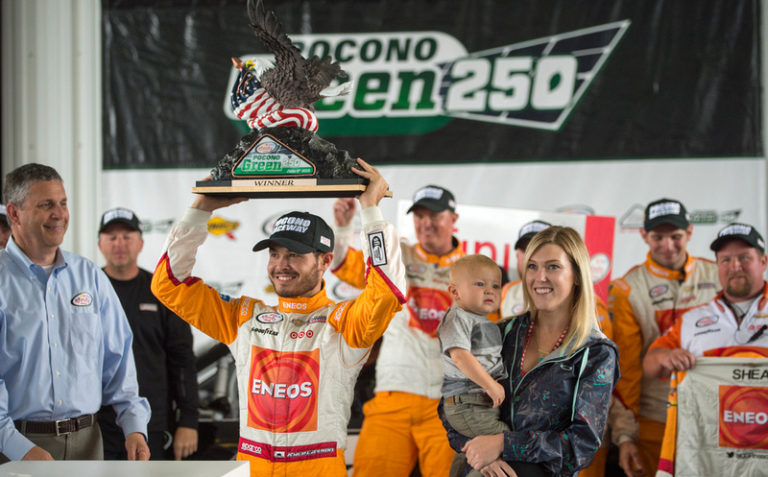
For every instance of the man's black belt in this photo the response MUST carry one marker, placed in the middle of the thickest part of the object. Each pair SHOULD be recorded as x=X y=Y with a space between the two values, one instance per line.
x=60 y=427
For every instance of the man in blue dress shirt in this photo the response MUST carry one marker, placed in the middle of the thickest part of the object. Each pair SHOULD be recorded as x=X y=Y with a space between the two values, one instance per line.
x=65 y=343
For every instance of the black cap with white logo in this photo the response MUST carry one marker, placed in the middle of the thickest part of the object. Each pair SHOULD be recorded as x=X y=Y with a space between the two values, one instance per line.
x=665 y=211
x=299 y=232
x=736 y=231
x=434 y=198
x=530 y=229
x=120 y=215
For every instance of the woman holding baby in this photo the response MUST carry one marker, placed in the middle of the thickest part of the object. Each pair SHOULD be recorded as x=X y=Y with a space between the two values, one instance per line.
x=561 y=369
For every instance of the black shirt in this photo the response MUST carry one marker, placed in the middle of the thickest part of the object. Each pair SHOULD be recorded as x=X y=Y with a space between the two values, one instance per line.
x=165 y=360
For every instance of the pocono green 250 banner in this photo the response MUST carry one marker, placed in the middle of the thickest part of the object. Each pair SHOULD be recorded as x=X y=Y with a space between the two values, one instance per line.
x=415 y=82
x=438 y=81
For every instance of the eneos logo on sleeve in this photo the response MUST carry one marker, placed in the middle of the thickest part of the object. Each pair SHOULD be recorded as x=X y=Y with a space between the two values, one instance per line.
x=283 y=389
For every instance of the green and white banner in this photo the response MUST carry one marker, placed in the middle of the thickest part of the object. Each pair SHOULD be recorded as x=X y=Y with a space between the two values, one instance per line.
x=544 y=105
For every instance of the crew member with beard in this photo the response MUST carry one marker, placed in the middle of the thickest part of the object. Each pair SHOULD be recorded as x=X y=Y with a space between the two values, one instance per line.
x=737 y=315
x=733 y=324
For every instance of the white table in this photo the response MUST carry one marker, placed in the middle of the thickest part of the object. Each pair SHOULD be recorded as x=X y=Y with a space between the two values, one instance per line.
x=100 y=468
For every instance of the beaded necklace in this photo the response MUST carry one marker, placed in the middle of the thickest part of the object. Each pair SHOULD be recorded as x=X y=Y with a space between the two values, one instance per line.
x=528 y=340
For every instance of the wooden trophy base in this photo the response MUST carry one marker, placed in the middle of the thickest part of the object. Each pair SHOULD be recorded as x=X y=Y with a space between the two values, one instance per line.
x=284 y=187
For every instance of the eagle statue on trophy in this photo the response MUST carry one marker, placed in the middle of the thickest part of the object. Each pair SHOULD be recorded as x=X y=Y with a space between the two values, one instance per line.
x=277 y=99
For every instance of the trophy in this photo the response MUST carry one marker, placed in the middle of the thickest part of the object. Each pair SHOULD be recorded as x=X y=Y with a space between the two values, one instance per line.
x=282 y=156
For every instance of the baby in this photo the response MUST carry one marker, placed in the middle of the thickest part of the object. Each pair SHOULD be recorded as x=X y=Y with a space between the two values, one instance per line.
x=471 y=348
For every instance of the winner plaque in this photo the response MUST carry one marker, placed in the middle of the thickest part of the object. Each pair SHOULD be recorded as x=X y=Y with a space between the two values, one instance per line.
x=282 y=156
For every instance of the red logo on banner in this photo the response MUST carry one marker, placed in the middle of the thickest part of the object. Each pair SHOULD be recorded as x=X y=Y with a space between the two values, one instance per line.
x=427 y=307
x=743 y=417
x=283 y=390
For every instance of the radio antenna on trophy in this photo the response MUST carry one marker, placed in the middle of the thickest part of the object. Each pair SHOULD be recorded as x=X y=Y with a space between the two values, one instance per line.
x=282 y=156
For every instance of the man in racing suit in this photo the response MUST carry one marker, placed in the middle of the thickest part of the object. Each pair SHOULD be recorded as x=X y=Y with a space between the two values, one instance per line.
x=643 y=304
x=296 y=362
x=400 y=422
x=734 y=323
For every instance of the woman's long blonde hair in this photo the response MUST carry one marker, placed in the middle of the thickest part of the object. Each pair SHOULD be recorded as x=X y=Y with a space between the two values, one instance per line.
x=583 y=317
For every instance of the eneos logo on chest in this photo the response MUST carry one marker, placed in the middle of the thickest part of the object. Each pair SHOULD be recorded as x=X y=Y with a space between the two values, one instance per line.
x=743 y=417
x=427 y=307
x=283 y=389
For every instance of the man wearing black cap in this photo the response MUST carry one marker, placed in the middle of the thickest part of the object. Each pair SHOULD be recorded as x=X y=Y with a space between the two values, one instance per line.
x=741 y=263
x=732 y=324
x=162 y=347
x=643 y=304
x=297 y=361
x=401 y=424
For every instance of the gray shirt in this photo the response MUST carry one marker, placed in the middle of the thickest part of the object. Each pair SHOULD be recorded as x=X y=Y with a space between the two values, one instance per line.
x=478 y=335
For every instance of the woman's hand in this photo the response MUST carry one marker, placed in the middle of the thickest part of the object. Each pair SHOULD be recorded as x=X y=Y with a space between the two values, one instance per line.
x=482 y=450
x=498 y=468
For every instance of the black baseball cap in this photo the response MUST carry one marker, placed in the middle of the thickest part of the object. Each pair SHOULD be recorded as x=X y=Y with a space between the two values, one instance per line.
x=737 y=231
x=300 y=232
x=530 y=229
x=434 y=198
x=122 y=216
x=665 y=211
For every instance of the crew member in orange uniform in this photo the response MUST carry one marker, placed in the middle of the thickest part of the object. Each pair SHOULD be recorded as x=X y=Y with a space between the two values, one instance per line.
x=643 y=304
x=401 y=424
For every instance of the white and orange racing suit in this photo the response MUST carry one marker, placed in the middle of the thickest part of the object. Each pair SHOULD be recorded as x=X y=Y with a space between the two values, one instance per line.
x=401 y=424
x=296 y=362
x=643 y=304
x=711 y=330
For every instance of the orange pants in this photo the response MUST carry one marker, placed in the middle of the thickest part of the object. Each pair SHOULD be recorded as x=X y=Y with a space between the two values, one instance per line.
x=649 y=443
x=326 y=466
x=398 y=429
